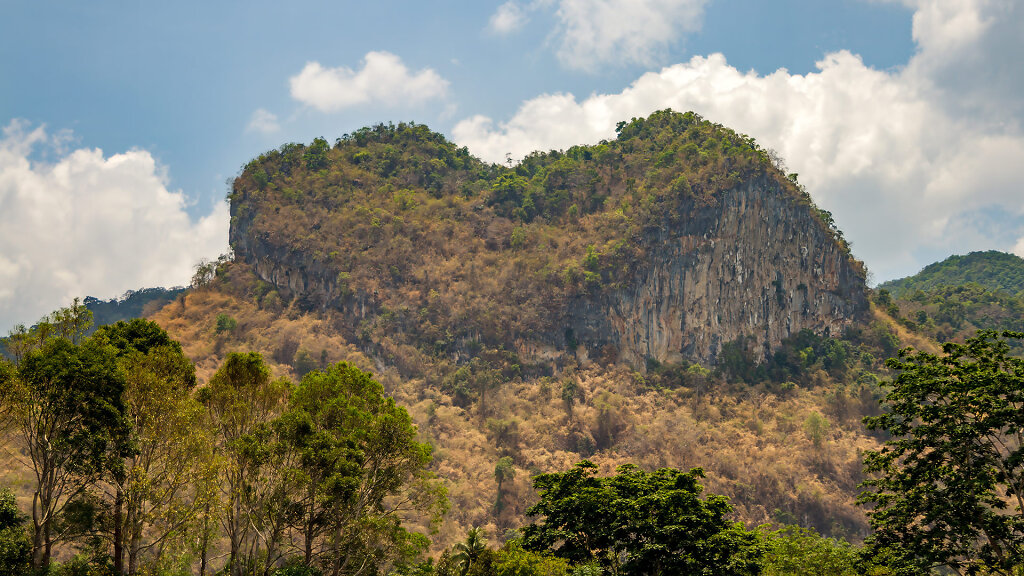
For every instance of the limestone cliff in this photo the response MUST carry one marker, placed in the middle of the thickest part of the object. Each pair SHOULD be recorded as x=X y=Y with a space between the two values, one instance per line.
x=417 y=244
x=756 y=265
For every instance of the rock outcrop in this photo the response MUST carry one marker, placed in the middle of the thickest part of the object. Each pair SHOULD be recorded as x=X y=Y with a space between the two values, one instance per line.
x=756 y=265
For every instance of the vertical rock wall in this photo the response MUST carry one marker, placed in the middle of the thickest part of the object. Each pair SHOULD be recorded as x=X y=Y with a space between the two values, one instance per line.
x=755 y=265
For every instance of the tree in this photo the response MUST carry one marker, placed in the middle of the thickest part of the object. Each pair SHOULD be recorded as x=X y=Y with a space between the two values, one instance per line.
x=469 y=551
x=15 y=548
x=69 y=413
x=795 y=551
x=242 y=400
x=167 y=481
x=948 y=488
x=504 y=470
x=359 y=471
x=71 y=323
x=637 y=523
x=316 y=155
x=513 y=560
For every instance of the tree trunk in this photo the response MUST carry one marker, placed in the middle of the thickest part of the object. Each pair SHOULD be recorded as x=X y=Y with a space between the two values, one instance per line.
x=37 y=534
x=134 y=547
x=205 y=542
x=119 y=532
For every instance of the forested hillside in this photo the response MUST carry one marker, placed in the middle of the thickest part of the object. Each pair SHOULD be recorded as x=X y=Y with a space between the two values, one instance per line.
x=477 y=295
x=992 y=270
x=952 y=299
x=431 y=254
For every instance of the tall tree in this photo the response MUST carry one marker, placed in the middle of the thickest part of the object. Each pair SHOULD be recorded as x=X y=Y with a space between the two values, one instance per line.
x=639 y=523
x=948 y=488
x=162 y=487
x=68 y=406
x=361 y=470
x=242 y=401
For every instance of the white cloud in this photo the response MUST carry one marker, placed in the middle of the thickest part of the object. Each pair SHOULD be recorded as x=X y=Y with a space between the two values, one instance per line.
x=263 y=121
x=384 y=79
x=1018 y=249
x=508 y=18
x=905 y=159
x=594 y=32
x=90 y=225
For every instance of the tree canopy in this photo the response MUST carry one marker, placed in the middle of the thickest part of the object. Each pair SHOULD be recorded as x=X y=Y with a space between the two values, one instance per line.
x=948 y=487
x=638 y=523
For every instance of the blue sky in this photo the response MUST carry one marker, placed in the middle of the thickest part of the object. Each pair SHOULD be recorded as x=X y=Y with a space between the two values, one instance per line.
x=123 y=120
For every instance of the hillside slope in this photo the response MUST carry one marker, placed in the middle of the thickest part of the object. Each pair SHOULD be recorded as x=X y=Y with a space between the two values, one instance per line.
x=952 y=299
x=992 y=270
x=668 y=299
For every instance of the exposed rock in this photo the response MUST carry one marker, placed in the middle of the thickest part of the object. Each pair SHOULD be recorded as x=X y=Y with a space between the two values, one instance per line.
x=755 y=265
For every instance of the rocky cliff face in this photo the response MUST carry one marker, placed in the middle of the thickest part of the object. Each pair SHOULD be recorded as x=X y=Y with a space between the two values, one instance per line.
x=756 y=265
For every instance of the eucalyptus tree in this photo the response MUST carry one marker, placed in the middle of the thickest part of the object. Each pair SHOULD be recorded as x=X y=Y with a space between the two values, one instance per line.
x=166 y=482
x=66 y=403
x=242 y=400
x=360 y=471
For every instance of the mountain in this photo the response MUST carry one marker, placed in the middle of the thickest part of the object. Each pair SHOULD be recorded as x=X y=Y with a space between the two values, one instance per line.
x=664 y=244
x=668 y=298
x=993 y=270
x=133 y=304
x=952 y=299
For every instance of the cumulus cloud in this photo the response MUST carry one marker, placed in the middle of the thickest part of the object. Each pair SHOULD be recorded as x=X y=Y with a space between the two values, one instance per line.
x=508 y=18
x=89 y=224
x=263 y=121
x=384 y=78
x=594 y=32
x=910 y=161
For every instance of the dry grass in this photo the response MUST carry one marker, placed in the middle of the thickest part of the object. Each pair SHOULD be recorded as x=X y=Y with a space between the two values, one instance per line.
x=752 y=444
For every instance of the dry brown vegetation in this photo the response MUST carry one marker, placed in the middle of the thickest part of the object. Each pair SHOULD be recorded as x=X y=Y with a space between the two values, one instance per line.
x=787 y=454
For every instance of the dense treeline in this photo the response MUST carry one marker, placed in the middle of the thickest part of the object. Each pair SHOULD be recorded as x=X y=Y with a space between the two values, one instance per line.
x=139 y=473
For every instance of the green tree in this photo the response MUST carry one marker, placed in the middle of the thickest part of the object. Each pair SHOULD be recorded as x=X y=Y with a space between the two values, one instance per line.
x=225 y=323
x=469 y=551
x=69 y=413
x=316 y=155
x=948 y=488
x=15 y=548
x=242 y=401
x=514 y=560
x=164 y=485
x=795 y=551
x=359 y=470
x=504 y=470
x=639 y=523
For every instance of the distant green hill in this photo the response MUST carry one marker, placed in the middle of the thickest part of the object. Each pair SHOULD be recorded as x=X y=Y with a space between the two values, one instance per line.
x=952 y=299
x=992 y=270
x=133 y=304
